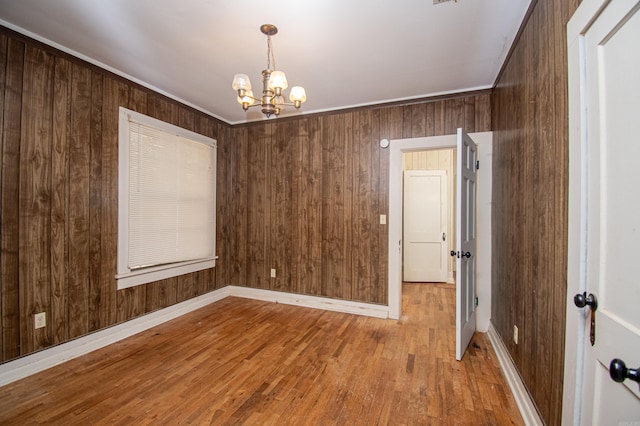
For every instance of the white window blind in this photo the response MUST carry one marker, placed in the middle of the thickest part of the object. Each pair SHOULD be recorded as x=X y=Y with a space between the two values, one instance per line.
x=169 y=203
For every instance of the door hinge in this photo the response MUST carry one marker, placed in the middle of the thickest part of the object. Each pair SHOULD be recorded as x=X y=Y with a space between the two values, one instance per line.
x=477 y=164
x=476 y=301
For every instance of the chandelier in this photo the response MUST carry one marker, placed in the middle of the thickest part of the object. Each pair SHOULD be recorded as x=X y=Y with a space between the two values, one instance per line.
x=273 y=84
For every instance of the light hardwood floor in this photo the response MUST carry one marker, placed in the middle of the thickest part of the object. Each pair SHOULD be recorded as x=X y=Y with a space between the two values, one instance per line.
x=241 y=361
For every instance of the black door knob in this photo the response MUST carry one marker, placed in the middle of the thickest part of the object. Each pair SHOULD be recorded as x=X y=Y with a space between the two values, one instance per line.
x=582 y=300
x=619 y=372
x=465 y=254
x=453 y=253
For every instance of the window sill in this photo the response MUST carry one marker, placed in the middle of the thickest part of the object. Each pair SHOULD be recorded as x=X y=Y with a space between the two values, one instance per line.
x=156 y=273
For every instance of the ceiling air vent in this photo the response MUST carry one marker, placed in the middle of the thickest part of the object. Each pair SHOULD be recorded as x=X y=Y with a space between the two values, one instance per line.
x=443 y=1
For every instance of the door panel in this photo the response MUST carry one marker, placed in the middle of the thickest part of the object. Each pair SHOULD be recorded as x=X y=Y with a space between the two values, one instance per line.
x=466 y=243
x=609 y=98
x=425 y=223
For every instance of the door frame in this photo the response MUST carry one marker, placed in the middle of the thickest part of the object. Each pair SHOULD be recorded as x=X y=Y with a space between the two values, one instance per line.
x=394 y=221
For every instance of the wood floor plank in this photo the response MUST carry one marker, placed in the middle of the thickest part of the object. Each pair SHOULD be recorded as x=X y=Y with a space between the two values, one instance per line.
x=250 y=362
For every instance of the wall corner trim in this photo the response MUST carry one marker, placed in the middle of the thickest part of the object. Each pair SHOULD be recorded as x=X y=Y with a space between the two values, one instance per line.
x=525 y=404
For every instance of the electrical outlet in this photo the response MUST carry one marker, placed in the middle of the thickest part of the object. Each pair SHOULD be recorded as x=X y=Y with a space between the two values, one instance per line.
x=515 y=334
x=273 y=273
x=41 y=320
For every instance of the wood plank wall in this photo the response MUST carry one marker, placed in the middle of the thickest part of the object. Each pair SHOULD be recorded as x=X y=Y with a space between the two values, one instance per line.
x=305 y=196
x=530 y=165
x=58 y=205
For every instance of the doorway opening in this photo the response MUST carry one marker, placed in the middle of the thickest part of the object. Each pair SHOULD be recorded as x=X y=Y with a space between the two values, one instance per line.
x=429 y=220
x=483 y=273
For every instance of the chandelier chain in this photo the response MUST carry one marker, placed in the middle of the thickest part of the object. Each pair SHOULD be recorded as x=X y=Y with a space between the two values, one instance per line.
x=270 y=56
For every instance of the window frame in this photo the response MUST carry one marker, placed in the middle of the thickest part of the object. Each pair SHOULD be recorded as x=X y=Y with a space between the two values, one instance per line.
x=125 y=277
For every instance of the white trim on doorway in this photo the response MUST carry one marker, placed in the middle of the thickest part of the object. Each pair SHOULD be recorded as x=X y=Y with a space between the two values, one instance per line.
x=396 y=148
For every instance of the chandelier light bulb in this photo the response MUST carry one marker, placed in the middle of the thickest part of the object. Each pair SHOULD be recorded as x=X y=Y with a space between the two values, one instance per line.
x=278 y=82
x=241 y=82
x=298 y=96
x=246 y=100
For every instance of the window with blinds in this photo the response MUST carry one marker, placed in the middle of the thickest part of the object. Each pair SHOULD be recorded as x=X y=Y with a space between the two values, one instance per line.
x=166 y=194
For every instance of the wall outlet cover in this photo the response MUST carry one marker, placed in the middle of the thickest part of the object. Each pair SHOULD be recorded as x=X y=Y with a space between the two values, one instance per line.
x=41 y=320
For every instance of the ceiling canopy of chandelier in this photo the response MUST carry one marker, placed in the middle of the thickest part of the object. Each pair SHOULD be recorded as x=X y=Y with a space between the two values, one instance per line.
x=273 y=84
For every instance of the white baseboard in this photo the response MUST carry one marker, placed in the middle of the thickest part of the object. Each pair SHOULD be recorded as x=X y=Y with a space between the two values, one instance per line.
x=525 y=404
x=47 y=358
x=346 y=306
x=39 y=361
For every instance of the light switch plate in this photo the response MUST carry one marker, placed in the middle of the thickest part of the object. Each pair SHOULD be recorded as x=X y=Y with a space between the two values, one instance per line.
x=273 y=273
x=383 y=219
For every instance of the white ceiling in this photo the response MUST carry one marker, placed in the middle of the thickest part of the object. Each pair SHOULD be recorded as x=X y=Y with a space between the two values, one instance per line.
x=345 y=53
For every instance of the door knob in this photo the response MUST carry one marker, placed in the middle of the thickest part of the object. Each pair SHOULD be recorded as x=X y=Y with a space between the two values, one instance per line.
x=465 y=254
x=582 y=300
x=452 y=253
x=619 y=372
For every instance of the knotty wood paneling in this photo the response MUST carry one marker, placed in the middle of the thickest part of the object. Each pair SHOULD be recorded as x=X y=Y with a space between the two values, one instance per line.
x=59 y=199
x=316 y=189
x=529 y=115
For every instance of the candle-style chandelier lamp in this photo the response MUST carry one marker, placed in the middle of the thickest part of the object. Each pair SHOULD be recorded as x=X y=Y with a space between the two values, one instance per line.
x=273 y=84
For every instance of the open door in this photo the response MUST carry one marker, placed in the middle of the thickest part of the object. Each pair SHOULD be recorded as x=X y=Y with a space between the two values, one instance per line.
x=603 y=319
x=466 y=243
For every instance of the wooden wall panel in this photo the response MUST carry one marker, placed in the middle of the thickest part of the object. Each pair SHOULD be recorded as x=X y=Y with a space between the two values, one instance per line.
x=96 y=289
x=59 y=199
x=78 y=209
x=529 y=116
x=317 y=188
x=35 y=196
x=3 y=69
x=258 y=206
x=281 y=197
x=311 y=281
x=10 y=235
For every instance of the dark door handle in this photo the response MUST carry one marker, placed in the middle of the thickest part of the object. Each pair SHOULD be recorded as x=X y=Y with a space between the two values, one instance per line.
x=582 y=300
x=453 y=253
x=465 y=254
x=619 y=372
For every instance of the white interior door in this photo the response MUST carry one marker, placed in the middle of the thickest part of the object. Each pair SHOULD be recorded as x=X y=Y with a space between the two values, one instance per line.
x=466 y=243
x=605 y=91
x=425 y=226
